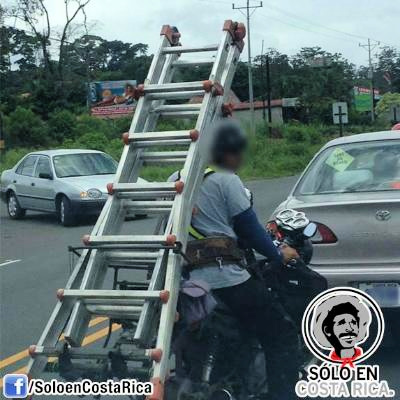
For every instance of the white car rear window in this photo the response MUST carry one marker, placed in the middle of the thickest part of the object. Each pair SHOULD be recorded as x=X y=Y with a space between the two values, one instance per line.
x=354 y=167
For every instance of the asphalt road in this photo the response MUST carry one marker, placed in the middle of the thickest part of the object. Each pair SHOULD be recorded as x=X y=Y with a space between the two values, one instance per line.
x=34 y=263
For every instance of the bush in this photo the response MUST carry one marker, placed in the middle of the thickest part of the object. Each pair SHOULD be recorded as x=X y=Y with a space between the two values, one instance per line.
x=61 y=125
x=296 y=133
x=93 y=141
x=25 y=129
x=88 y=124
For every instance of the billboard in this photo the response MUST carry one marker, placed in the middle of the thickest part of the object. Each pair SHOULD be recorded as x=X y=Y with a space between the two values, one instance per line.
x=363 y=98
x=112 y=98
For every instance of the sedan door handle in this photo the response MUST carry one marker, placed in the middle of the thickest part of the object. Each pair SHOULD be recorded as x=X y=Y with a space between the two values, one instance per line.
x=33 y=184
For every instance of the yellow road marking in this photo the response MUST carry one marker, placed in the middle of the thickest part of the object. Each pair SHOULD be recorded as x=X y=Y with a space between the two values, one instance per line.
x=23 y=354
x=88 y=340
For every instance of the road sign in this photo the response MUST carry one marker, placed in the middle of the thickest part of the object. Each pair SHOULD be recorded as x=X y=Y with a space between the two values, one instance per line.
x=340 y=113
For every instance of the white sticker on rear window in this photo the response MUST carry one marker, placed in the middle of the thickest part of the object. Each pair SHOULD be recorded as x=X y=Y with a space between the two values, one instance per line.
x=339 y=160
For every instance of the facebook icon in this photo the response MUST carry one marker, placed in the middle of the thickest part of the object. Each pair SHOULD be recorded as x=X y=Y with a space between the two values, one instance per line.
x=15 y=386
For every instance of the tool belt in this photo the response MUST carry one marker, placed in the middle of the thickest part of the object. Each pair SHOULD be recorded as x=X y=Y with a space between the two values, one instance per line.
x=211 y=251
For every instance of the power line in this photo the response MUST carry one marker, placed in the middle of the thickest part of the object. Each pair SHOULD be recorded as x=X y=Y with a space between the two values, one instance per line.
x=309 y=22
x=303 y=28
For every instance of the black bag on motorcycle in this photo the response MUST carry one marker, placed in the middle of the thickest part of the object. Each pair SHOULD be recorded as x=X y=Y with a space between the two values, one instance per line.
x=296 y=285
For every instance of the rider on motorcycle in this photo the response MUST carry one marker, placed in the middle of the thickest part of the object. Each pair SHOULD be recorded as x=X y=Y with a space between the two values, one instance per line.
x=223 y=211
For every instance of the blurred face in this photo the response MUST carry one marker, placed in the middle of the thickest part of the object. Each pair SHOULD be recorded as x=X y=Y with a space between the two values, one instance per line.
x=233 y=161
x=345 y=328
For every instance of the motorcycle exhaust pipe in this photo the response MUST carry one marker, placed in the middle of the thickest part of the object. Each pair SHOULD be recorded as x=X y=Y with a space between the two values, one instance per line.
x=221 y=394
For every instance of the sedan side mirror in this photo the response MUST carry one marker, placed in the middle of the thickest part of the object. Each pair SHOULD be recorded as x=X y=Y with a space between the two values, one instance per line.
x=45 y=175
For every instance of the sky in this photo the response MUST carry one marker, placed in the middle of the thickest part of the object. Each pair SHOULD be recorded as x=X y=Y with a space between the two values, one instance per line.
x=286 y=25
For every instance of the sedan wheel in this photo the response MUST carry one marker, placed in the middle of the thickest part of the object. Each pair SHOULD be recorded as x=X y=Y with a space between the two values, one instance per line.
x=14 y=209
x=66 y=216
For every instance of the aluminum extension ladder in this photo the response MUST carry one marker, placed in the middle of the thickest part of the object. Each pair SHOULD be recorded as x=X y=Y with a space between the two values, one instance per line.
x=151 y=308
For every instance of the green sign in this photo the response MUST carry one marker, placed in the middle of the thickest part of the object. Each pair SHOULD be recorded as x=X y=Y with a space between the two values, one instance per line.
x=363 y=98
x=339 y=160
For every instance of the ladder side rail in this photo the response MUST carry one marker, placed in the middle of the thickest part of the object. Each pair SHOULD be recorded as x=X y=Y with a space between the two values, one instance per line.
x=182 y=211
x=143 y=333
x=97 y=268
x=143 y=330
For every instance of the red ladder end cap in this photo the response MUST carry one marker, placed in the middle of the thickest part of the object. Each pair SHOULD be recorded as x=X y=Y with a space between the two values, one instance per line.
x=207 y=86
x=194 y=135
x=32 y=350
x=156 y=355
x=227 y=109
x=171 y=240
x=240 y=31
x=164 y=296
x=217 y=89
x=60 y=294
x=158 y=390
x=179 y=185
x=110 y=188
x=139 y=91
x=86 y=240
x=125 y=137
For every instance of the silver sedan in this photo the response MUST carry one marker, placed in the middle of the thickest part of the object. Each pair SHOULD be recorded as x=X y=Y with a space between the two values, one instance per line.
x=66 y=182
x=351 y=189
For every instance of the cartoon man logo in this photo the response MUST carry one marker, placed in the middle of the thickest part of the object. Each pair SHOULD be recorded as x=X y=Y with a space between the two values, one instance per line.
x=340 y=324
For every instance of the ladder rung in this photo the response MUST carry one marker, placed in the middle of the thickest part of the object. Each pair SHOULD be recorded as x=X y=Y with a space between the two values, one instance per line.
x=116 y=311
x=149 y=207
x=94 y=294
x=145 y=205
x=181 y=49
x=159 y=138
x=166 y=138
x=163 y=156
x=174 y=87
x=132 y=256
x=179 y=114
x=128 y=239
x=145 y=191
x=186 y=94
x=81 y=353
x=187 y=63
x=178 y=107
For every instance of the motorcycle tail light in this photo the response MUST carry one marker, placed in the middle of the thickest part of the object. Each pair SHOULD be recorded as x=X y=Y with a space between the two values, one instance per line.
x=324 y=235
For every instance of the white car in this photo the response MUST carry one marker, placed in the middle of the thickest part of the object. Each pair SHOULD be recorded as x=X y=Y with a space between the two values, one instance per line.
x=66 y=182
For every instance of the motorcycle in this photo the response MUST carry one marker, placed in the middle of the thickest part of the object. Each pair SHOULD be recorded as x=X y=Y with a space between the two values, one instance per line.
x=213 y=359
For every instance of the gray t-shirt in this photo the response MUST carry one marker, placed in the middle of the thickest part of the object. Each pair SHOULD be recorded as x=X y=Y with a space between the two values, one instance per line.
x=222 y=196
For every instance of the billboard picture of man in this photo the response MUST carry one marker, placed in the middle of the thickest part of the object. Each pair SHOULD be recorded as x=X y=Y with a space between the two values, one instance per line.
x=341 y=324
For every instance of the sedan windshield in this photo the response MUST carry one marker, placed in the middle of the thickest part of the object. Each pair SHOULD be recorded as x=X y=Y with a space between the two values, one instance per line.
x=354 y=167
x=84 y=164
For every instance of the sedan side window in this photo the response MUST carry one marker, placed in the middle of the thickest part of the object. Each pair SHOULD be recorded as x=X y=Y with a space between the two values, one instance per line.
x=43 y=167
x=27 y=166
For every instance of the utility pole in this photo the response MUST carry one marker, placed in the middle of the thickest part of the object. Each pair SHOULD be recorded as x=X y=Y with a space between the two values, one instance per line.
x=248 y=15
x=262 y=78
x=269 y=90
x=370 y=48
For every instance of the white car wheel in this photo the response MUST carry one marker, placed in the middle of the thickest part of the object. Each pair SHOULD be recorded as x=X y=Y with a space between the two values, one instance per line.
x=14 y=209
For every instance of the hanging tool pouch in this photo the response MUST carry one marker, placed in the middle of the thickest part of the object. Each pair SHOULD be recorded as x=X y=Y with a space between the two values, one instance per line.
x=211 y=251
